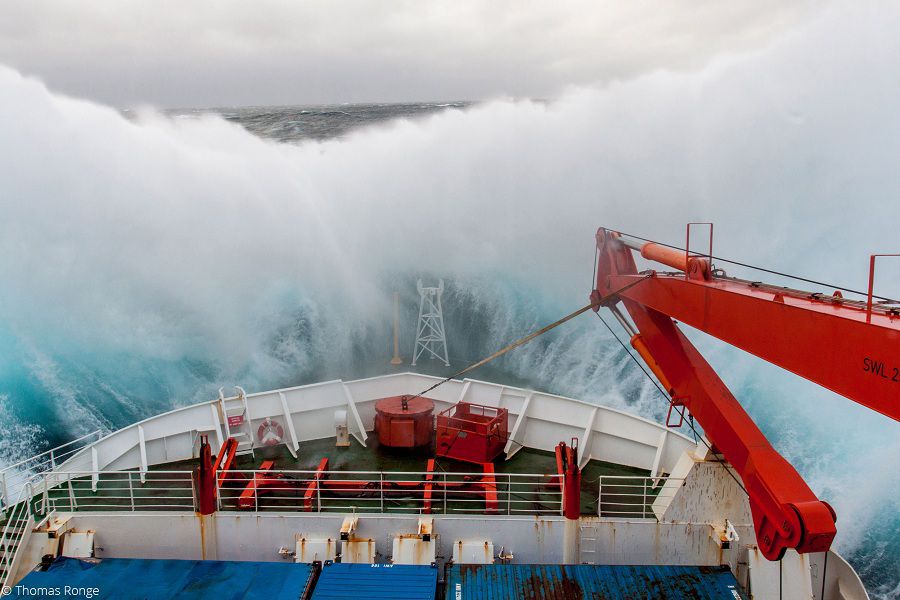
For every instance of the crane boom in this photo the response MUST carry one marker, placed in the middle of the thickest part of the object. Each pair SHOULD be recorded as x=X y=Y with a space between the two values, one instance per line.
x=842 y=345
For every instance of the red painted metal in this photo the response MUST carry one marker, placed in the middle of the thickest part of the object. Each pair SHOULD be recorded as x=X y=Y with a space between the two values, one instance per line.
x=429 y=486
x=472 y=432
x=825 y=339
x=206 y=480
x=404 y=421
x=489 y=484
x=567 y=467
x=247 y=499
x=225 y=459
x=872 y=283
x=313 y=486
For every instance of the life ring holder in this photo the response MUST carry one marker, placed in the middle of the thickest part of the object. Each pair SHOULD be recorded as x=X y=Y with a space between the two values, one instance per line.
x=270 y=432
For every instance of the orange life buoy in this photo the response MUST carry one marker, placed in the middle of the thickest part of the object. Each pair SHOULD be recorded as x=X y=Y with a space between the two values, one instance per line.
x=270 y=432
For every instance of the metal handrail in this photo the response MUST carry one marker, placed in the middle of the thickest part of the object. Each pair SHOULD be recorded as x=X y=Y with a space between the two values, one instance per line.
x=53 y=453
x=19 y=516
x=507 y=493
x=631 y=496
x=17 y=474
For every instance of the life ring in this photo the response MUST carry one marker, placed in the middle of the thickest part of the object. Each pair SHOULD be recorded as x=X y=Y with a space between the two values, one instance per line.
x=270 y=433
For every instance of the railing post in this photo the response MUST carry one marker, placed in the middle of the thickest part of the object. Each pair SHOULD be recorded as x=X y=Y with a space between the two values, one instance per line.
x=445 y=492
x=644 y=501
x=73 y=505
x=318 y=493
x=600 y=496
x=46 y=495
x=52 y=460
x=131 y=491
x=4 y=501
x=508 y=494
x=381 y=489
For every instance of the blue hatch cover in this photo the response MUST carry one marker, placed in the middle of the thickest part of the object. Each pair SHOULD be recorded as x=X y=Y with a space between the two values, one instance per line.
x=376 y=582
x=571 y=582
x=147 y=579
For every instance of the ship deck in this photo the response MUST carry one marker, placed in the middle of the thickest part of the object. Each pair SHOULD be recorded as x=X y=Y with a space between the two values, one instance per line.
x=367 y=478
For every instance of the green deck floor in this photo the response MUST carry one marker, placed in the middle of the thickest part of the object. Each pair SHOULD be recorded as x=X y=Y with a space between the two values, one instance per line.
x=167 y=492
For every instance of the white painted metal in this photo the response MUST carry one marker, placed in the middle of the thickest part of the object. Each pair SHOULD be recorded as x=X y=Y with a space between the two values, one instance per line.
x=360 y=432
x=584 y=443
x=143 y=447
x=236 y=407
x=473 y=552
x=430 y=334
x=358 y=550
x=95 y=467
x=410 y=549
x=216 y=426
x=660 y=446
x=513 y=444
x=78 y=544
x=307 y=550
x=294 y=444
x=617 y=436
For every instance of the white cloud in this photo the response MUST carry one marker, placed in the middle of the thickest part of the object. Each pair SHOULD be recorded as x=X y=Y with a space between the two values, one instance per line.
x=203 y=53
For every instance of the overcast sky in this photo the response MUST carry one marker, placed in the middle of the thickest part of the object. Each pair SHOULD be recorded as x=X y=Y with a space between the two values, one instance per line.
x=182 y=53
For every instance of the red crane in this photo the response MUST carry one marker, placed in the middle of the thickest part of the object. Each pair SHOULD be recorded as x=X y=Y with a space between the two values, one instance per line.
x=849 y=347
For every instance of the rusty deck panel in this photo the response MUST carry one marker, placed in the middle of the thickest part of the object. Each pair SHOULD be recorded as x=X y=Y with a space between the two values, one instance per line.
x=575 y=582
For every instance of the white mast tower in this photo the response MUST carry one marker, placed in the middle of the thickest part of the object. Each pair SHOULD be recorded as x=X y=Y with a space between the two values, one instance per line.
x=430 y=335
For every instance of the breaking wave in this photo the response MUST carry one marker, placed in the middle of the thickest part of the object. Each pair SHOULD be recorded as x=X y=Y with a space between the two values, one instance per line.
x=145 y=261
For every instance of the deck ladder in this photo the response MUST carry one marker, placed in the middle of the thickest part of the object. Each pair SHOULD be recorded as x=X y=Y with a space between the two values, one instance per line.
x=14 y=528
x=236 y=415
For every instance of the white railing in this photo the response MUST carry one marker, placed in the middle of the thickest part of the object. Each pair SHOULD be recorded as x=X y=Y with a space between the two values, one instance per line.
x=632 y=497
x=114 y=491
x=438 y=492
x=306 y=491
x=16 y=527
x=14 y=477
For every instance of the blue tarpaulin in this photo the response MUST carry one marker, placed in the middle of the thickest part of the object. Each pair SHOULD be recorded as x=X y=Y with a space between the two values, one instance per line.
x=376 y=582
x=570 y=582
x=134 y=579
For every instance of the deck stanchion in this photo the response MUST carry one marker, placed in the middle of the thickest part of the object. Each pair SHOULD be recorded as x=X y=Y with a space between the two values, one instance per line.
x=600 y=496
x=131 y=491
x=644 y=500
x=72 y=503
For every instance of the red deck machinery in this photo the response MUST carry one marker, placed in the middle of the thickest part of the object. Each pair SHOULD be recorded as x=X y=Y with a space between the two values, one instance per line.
x=472 y=432
x=404 y=421
x=829 y=340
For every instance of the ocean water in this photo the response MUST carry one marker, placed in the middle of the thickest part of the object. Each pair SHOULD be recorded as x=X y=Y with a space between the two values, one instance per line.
x=148 y=258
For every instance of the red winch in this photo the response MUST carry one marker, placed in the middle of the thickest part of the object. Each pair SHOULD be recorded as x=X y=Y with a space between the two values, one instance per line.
x=404 y=421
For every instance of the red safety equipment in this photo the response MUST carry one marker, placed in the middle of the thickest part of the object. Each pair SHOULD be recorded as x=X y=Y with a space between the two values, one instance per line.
x=205 y=476
x=270 y=432
x=845 y=346
x=472 y=432
x=570 y=478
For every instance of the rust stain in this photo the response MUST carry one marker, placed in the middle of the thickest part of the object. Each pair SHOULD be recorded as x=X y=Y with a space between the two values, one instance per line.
x=202 y=536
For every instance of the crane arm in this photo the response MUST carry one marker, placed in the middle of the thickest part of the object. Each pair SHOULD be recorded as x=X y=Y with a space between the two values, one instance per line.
x=838 y=344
